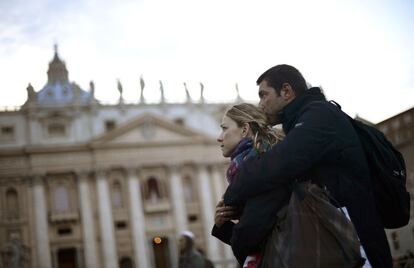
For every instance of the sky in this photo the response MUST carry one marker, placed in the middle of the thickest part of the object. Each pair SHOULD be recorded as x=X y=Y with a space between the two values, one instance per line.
x=361 y=52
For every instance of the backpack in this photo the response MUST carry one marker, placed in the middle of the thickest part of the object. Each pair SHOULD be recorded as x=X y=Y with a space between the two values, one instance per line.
x=388 y=175
x=311 y=232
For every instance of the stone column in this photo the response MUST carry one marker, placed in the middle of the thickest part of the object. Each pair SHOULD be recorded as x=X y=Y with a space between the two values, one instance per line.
x=139 y=238
x=219 y=181
x=218 y=178
x=110 y=259
x=173 y=245
x=177 y=197
x=206 y=200
x=88 y=225
x=41 y=227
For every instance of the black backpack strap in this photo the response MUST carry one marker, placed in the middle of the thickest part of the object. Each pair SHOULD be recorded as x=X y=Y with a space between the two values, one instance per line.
x=335 y=103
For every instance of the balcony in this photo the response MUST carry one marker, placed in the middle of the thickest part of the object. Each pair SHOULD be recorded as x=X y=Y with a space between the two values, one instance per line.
x=56 y=217
x=161 y=205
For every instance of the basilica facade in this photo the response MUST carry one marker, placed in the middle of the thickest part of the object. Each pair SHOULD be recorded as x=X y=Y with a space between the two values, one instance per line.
x=83 y=184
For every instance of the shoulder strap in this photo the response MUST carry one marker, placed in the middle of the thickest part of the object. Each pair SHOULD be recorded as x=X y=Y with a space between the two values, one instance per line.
x=335 y=103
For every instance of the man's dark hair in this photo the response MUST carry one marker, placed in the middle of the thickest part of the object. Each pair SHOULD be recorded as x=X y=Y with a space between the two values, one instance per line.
x=283 y=73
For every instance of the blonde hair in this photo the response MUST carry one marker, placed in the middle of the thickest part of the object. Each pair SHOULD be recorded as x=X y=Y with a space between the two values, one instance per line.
x=262 y=131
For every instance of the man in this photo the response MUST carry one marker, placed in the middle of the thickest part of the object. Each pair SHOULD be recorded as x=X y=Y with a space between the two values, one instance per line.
x=189 y=256
x=320 y=145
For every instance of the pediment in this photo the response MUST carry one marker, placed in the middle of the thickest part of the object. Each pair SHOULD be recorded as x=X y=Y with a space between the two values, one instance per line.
x=149 y=129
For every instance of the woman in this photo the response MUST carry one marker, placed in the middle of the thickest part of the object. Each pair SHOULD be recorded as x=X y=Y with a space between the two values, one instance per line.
x=246 y=133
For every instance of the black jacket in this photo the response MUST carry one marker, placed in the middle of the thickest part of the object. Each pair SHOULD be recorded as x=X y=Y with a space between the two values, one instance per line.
x=255 y=224
x=320 y=145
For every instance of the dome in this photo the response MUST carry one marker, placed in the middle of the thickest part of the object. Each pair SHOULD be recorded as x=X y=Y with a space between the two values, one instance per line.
x=58 y=89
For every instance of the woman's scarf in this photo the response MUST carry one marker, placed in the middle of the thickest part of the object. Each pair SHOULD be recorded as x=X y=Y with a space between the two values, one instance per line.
x=241 y=153
x=244 y=150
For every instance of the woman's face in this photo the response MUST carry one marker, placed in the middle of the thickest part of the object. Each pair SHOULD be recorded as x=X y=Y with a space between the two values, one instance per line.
x=230 y=136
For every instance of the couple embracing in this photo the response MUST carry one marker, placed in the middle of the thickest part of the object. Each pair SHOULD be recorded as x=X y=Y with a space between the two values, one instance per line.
x=318 y=147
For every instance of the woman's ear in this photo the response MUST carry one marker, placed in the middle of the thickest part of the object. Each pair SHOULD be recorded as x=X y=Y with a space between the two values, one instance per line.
x=245 y=130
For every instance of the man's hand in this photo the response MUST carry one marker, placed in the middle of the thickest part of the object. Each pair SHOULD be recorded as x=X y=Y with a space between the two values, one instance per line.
x=224 y=213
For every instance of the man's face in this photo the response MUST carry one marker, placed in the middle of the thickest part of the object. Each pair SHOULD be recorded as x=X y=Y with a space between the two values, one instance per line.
x=182 y=243
x=270 y=102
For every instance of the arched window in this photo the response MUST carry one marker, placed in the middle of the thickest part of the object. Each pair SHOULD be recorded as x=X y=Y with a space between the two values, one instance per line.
x=117 y=195
x=12 y=203
x=153 y=193
x=188 y=189
x=61 y=199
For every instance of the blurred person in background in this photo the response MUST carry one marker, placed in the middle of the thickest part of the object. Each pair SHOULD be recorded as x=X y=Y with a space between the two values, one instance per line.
x=189 y=256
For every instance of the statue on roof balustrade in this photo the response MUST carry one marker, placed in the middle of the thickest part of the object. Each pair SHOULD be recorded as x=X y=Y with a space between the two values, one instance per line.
x=142 y=83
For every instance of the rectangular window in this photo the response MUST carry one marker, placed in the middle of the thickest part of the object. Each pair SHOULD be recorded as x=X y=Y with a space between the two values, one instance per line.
x=120 y=225
x=395 y=123
x=407 y=118
x=192 y=218
x=109 y=125
x=56 y=130
x=7 y=133
x=61 y=199
x=64 y=231
x=179 y=121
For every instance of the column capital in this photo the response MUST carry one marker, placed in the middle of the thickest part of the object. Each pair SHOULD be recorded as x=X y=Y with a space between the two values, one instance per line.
x=82 y=175
x=203 y=167
x=82 y=171
x=219 y=168
x=38 y=178
x=220 y=164
x=171 y=168
x=132 y=171
x=98 y=169
x=101 y=173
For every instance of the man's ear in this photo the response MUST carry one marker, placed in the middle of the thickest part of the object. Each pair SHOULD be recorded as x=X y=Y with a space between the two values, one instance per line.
x=287 y=92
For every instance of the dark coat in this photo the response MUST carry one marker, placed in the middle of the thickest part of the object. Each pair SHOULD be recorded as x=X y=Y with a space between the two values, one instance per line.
x=192 y=259
x=240 y=236
x=320 y=145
